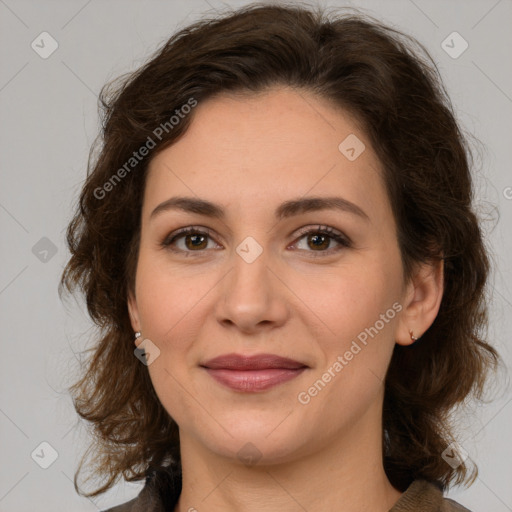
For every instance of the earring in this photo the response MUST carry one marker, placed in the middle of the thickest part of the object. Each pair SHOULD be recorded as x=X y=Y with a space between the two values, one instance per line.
x=413 y=338
x=137 y=335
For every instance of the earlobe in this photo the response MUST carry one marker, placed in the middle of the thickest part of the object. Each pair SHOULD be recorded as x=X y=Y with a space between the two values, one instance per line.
x=423 y=300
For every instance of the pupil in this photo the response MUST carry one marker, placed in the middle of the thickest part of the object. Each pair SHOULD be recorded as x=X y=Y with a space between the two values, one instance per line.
x=196 y=240
x=317 y=238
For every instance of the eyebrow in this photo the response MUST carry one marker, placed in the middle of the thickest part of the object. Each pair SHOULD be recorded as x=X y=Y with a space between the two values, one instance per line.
x=283 y=211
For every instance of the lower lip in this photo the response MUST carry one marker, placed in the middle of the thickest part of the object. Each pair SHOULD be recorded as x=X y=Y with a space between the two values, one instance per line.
x=253 y=380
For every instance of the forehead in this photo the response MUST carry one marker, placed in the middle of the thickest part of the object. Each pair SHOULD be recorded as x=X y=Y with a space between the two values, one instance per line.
x=292 y=123
x=281 y=143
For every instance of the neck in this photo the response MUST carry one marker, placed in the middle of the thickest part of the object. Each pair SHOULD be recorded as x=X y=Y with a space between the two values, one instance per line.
x=345 y=474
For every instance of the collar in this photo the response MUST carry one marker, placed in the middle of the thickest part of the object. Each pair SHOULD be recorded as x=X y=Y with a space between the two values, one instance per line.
x=163 y=487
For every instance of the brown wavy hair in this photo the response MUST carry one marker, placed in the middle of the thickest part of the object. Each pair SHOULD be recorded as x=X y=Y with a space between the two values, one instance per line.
x=388 y=81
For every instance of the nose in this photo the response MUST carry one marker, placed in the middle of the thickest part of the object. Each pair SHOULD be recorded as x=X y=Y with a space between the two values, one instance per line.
x=252 y=296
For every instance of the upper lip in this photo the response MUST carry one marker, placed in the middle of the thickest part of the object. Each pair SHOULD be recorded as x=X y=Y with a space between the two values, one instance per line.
x=254 y=362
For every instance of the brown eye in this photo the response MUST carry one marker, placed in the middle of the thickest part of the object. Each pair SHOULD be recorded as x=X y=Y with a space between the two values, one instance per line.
x=320 y=240
x=187 y=240
x=317 y=241
x=195 y=241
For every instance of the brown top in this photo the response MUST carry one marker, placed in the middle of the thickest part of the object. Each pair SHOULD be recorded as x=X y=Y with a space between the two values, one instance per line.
x=161 y=492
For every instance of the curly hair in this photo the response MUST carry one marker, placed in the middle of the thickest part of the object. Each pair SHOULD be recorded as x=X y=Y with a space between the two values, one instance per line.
x=388 y=81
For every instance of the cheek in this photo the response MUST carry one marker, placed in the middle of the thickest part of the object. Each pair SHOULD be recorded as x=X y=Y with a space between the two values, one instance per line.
x=163 y=298
x=346 y=301
x=169 y=303
x=173 y=302
x=358 y=308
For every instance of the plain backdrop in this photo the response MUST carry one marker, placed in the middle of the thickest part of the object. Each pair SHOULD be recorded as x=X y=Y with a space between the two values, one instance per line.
x=48 y=112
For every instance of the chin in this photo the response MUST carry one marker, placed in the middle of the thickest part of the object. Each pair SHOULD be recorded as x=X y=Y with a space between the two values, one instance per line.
x=257 y=443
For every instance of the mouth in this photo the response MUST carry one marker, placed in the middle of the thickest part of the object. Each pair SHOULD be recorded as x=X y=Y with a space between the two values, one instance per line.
x=253 y=373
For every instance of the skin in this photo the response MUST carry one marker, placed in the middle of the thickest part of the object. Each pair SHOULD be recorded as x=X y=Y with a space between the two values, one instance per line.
x=249 y=154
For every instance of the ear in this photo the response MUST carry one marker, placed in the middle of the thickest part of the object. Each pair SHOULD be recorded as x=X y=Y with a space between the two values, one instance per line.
x=133 y=311
x=423 y=297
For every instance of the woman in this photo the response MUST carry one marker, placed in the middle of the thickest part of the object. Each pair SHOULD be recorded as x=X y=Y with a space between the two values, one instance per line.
x=280 y=221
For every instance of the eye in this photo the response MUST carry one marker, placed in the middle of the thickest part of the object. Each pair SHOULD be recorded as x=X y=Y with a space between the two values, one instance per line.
x=194 y=240
x=320 y=239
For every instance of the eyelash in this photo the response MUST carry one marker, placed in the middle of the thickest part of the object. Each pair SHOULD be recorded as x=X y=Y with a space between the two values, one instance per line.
x=322 y=230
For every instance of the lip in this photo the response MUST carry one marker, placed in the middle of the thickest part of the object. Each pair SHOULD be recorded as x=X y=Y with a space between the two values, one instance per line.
x=253 y=380
x=254 y=362
x=253 y=373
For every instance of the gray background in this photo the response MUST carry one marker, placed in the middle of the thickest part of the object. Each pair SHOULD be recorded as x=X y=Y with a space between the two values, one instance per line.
x=49 y=120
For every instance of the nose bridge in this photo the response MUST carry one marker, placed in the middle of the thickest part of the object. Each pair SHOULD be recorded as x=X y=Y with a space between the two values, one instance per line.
x=251 y=292
x=249 y=280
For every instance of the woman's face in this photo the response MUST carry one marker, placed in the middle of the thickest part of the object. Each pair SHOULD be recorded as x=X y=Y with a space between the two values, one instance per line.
x=253 y=282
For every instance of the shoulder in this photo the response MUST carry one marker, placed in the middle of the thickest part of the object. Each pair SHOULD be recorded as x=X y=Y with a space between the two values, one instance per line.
x=124 y=507
x=142 y=503
x=451 y=505
x=425 y=496
x=159 y=494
